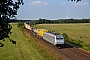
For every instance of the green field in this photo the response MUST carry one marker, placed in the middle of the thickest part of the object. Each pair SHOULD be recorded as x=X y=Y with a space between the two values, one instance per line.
x=26 y=48
x=74 y=31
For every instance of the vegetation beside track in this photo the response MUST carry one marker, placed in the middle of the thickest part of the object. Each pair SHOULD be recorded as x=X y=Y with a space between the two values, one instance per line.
x=26 y=48
x=77 y=34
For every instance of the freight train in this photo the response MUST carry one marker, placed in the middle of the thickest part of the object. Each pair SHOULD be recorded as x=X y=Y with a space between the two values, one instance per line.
x=55 y=39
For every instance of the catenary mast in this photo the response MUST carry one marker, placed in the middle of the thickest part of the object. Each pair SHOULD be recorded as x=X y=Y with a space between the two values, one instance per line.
x=67 y=16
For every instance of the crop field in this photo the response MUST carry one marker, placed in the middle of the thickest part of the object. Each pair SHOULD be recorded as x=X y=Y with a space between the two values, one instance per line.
x=77 y=31
x=26 y=48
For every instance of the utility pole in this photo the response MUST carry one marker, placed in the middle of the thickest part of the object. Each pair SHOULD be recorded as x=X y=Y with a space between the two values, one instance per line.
x=67 y=16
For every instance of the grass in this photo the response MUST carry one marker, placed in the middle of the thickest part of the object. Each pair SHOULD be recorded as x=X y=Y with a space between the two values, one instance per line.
x=26 y=48
x=74 y=31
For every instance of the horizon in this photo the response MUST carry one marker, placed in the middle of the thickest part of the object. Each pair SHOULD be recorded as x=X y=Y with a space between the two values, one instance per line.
x=50 y=19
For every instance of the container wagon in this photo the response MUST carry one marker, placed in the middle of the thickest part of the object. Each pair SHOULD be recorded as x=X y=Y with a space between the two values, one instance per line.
x=54 y=39
x=40 y=32
x=27 y=26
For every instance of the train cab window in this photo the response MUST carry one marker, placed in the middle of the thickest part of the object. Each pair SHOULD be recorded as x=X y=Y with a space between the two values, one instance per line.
x=59 y=38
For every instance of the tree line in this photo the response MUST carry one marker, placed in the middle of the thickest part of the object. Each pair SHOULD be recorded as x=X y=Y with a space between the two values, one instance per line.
x=45 y=21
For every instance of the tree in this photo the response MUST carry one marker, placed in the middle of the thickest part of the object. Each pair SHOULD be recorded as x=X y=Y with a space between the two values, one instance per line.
x=8 y=10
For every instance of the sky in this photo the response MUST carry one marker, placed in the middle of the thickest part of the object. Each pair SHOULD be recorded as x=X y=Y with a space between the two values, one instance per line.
x=54 y=9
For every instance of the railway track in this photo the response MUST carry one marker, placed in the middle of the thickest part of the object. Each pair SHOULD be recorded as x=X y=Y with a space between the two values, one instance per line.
x=67 y=52
x=75 y=54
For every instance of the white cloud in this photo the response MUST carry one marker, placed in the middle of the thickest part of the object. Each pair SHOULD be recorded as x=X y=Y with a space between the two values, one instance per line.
x=38 y=3
x=63 y=3
x=84 y=3
x=45 y=3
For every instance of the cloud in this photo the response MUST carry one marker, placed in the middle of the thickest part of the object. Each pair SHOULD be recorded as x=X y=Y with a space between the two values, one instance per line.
x=45 y=3
x=84 y=3
x=63 y=3
x=38 y=3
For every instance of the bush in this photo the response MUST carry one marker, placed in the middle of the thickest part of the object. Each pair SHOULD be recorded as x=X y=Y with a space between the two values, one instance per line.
x=20 y=24
x=66 y=38
x=86 y=47
x=78 y=43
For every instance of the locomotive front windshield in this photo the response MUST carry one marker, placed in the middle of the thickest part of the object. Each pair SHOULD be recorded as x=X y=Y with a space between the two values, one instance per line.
x=59 y=38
